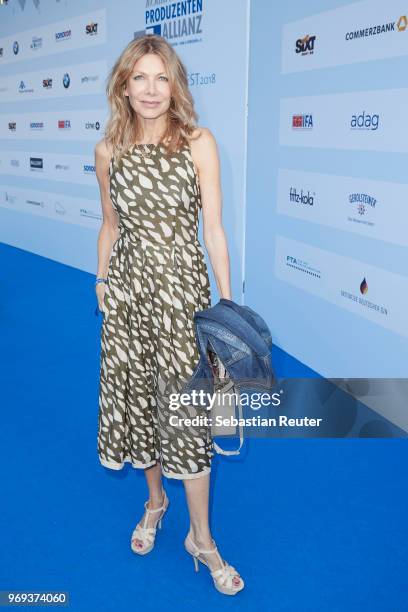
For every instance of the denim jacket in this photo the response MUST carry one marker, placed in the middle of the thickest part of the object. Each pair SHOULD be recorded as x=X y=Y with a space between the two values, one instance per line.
x=242 y=342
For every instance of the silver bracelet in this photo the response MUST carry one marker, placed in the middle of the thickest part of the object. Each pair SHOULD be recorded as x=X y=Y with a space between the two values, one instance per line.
x=100 y=280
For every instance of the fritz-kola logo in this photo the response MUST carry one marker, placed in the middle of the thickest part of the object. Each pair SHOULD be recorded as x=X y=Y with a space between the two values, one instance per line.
x=305 y=45
x=392 y=26
x=364 y=121
x=302 y=122
x=301 y=197
x=172 y=23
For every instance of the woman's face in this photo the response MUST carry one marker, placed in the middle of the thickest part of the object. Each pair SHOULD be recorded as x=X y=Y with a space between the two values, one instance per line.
x=148 y=87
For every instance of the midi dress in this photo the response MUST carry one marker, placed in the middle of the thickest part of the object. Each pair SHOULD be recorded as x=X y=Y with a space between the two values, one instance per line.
x=157 y=278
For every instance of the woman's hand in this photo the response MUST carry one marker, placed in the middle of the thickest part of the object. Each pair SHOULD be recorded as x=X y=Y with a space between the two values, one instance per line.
x=100 y=289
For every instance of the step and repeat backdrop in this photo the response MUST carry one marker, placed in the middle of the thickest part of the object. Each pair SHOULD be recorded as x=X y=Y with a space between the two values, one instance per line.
x=54 y=61
x=328 y=145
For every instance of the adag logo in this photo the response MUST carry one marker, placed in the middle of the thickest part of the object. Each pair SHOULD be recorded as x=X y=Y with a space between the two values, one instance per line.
x=364 y=121
x=305 y=45
x=302 y=122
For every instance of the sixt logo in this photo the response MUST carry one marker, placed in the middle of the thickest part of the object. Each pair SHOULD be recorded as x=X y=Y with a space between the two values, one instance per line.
x=302 y=122
x=12 y=126
x=47 y=83
x=305 y=46
x=91 y=29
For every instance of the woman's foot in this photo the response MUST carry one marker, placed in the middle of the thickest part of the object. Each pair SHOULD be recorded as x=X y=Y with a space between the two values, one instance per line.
x=212 y=559
x=154 y=511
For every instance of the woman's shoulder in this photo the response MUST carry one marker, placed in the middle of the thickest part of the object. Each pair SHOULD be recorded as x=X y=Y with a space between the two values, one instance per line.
x=103 y=150
x=202 y=136
x=203 y=145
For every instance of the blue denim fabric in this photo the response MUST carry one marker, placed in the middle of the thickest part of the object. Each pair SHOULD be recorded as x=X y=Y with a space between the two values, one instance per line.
x=241 y=340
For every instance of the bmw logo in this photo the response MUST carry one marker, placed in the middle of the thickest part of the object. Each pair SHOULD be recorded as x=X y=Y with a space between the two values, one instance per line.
x=15 y=47
x=66 y=80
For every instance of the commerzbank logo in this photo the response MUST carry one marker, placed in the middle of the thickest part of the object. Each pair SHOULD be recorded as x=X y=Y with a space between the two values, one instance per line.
x=176 y=25
x=399 y=25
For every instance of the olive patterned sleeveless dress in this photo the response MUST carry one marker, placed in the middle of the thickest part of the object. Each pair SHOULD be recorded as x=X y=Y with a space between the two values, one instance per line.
x=157 y=278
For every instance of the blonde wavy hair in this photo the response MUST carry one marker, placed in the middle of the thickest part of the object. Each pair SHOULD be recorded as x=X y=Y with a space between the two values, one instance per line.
x=123 y=127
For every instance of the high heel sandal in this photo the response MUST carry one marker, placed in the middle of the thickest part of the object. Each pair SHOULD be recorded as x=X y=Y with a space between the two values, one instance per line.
x=223 y=577
x=145 y=534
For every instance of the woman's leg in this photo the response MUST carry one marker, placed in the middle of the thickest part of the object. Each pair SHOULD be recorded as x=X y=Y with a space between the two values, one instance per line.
x=197 y=493
x=154 y=483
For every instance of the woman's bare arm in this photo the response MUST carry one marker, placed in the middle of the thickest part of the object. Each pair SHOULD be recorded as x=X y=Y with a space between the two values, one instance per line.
x=108 y=233
x=205 y=154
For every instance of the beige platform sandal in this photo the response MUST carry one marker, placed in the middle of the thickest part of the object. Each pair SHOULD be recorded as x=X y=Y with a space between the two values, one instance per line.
x=145 y=534
x=223 y=577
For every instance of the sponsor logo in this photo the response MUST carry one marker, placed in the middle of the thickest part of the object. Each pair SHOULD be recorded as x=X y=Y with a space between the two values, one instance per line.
x=12 y=199
x=92 y=125
x=89 y=169
x=36 y=43
x=15 y=47
x=169 y=21
x=64 y=124
x=47 y=83
x=302 y=122
x=36 y=125
x=15 y=163
x=61 y=167
x=36 y=163
x=89 y=78
x=62 y=35
x=66 y=80
x=363 y=203
x=402 y=23
x=91 y=29
x=364 y=121
x=301 y=197
x=59 y=208
x=305 y=45
x=22 y=88
x=12 y=126
x=302 y=266
x=90 y=214
x=1 y=51
x=392 y=26
x=35 y=203
x=363 y=301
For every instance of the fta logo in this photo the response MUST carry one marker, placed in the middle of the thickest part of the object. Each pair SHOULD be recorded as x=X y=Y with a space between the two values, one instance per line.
x=305 y=45
x=302 y=122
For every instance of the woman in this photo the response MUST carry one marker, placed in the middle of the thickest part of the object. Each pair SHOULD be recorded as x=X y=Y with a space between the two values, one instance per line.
x=155 y=169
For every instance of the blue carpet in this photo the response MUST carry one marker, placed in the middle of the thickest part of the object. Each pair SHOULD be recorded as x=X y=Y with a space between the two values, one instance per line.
x=312 y=524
